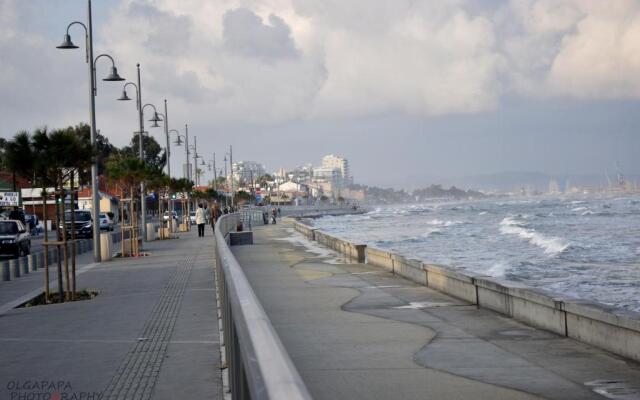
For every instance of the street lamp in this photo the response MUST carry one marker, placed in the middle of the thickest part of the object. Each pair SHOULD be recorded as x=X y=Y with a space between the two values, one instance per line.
x=113 y=76
x=154 y=119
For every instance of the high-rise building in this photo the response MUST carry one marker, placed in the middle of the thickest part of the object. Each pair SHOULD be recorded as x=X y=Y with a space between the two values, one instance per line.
x=246 y=171
x=340 y=163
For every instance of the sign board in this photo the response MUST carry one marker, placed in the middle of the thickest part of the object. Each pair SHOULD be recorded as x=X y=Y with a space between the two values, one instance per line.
x=9 y=199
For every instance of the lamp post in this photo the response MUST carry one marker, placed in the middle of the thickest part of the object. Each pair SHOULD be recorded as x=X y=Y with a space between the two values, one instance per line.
x=195 y=160
x=113 y=76
x=226 y=180
x=154 y=119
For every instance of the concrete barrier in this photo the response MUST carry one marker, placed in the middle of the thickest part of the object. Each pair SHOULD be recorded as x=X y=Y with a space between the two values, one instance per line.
x=305 y=229
x=453 y=283
x=379 y=258
x=352 y=250
x=6 y=272
x=409 y=268
x=615 y=330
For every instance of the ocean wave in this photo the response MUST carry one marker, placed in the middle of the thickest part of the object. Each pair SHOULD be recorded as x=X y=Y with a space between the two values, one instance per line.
x=550 y=245
x=498 y=269
x=577 y=209
x=432 y=231
x=437 y=222
x=482 y=213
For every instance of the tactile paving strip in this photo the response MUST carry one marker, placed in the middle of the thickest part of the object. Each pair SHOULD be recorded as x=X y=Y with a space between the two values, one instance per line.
x=138 y=373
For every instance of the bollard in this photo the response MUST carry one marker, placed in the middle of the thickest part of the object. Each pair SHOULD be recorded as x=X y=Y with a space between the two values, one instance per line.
x=151 y=233
x=24 y=265
x=39 y=260
x=105 y=246
x=31 y=265
x=14 y=266
x=6 y=273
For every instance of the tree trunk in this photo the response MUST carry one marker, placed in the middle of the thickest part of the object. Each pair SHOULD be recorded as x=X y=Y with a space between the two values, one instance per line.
x=73 y=239
x=59 y=238
x=46 y=238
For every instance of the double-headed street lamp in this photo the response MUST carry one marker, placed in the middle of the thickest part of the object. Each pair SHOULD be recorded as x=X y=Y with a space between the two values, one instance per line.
x=187 y=169
x=155 y=119
x=113 y=76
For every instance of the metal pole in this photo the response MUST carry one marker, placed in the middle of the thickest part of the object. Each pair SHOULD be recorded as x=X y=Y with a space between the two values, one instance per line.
x=195 y=160
x=168 y=151
x=95 y=195
x=215 y=175
x=166 y=133
x=226 y=182
x=143 y=200
x=231 y=167
x=187 y=167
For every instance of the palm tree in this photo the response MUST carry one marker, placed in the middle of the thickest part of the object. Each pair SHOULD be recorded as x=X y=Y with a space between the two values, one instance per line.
x=128 y=172
x=18 y=157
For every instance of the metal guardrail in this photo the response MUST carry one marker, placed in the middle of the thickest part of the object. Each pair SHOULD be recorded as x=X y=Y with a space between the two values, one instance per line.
x=259 y=366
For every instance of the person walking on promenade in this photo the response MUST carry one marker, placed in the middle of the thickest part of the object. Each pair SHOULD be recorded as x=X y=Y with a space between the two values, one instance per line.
x=215 y=214
x=200 y=220
x=207 y=213
x=274 y=214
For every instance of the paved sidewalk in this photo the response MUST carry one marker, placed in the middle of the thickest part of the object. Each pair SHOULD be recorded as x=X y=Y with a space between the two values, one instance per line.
x=151 y=333
x=357 y=332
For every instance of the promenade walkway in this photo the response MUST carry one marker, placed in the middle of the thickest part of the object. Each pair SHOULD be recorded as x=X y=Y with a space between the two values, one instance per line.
x=151 y=333
x=356 y=332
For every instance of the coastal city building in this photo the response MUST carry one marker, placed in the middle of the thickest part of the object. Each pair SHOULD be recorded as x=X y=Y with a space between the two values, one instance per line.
x=246 y=172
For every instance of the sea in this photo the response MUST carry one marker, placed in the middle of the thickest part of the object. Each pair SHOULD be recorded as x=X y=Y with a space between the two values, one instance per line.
x=586 y=247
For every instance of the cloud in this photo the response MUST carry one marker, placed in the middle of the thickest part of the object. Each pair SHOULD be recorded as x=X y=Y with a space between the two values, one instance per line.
x=272 y=61
x=246 y=34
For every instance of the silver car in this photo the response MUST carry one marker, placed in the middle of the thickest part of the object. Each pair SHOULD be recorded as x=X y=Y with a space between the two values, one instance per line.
x=106 y=223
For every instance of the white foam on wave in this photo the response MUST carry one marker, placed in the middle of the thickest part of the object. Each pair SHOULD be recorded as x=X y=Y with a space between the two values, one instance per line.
x=430 y=232
x=437 y=222
x=579 y=209
x=482 y=213
x=550 y=245
x=498 y=269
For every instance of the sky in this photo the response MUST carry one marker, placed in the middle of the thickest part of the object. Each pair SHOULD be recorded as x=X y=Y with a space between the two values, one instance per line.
x=411 y=92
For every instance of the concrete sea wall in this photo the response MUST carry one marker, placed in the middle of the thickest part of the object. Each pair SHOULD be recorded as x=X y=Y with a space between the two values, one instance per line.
x=614 y=330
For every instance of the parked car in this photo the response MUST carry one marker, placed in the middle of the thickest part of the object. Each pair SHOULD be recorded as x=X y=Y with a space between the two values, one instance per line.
x=106 y=223
x=165 y=217
x=14 y=238
x=83 y=224
x=192 y=217
x=16 y=214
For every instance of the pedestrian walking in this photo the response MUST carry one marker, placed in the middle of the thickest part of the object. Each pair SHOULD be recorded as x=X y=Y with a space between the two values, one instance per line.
x=200 y=220
x=274 y=214
x=215 y=214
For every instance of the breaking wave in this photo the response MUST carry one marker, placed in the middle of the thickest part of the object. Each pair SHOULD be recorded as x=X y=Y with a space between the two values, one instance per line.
x=550 y=245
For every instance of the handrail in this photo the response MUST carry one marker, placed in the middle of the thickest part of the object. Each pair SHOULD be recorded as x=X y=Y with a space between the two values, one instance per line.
x=259 y=365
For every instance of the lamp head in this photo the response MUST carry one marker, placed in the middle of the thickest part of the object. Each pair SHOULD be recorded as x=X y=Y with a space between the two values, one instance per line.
x=203 y=163
x=178 y=141
x=113 y=76
x=155 y=124
x=124 y=96
x=156 y=118
x=67 y=43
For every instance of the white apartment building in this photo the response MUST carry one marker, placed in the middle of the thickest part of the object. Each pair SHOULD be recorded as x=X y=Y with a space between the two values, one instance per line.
x=246 y=171
x=340 y=163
